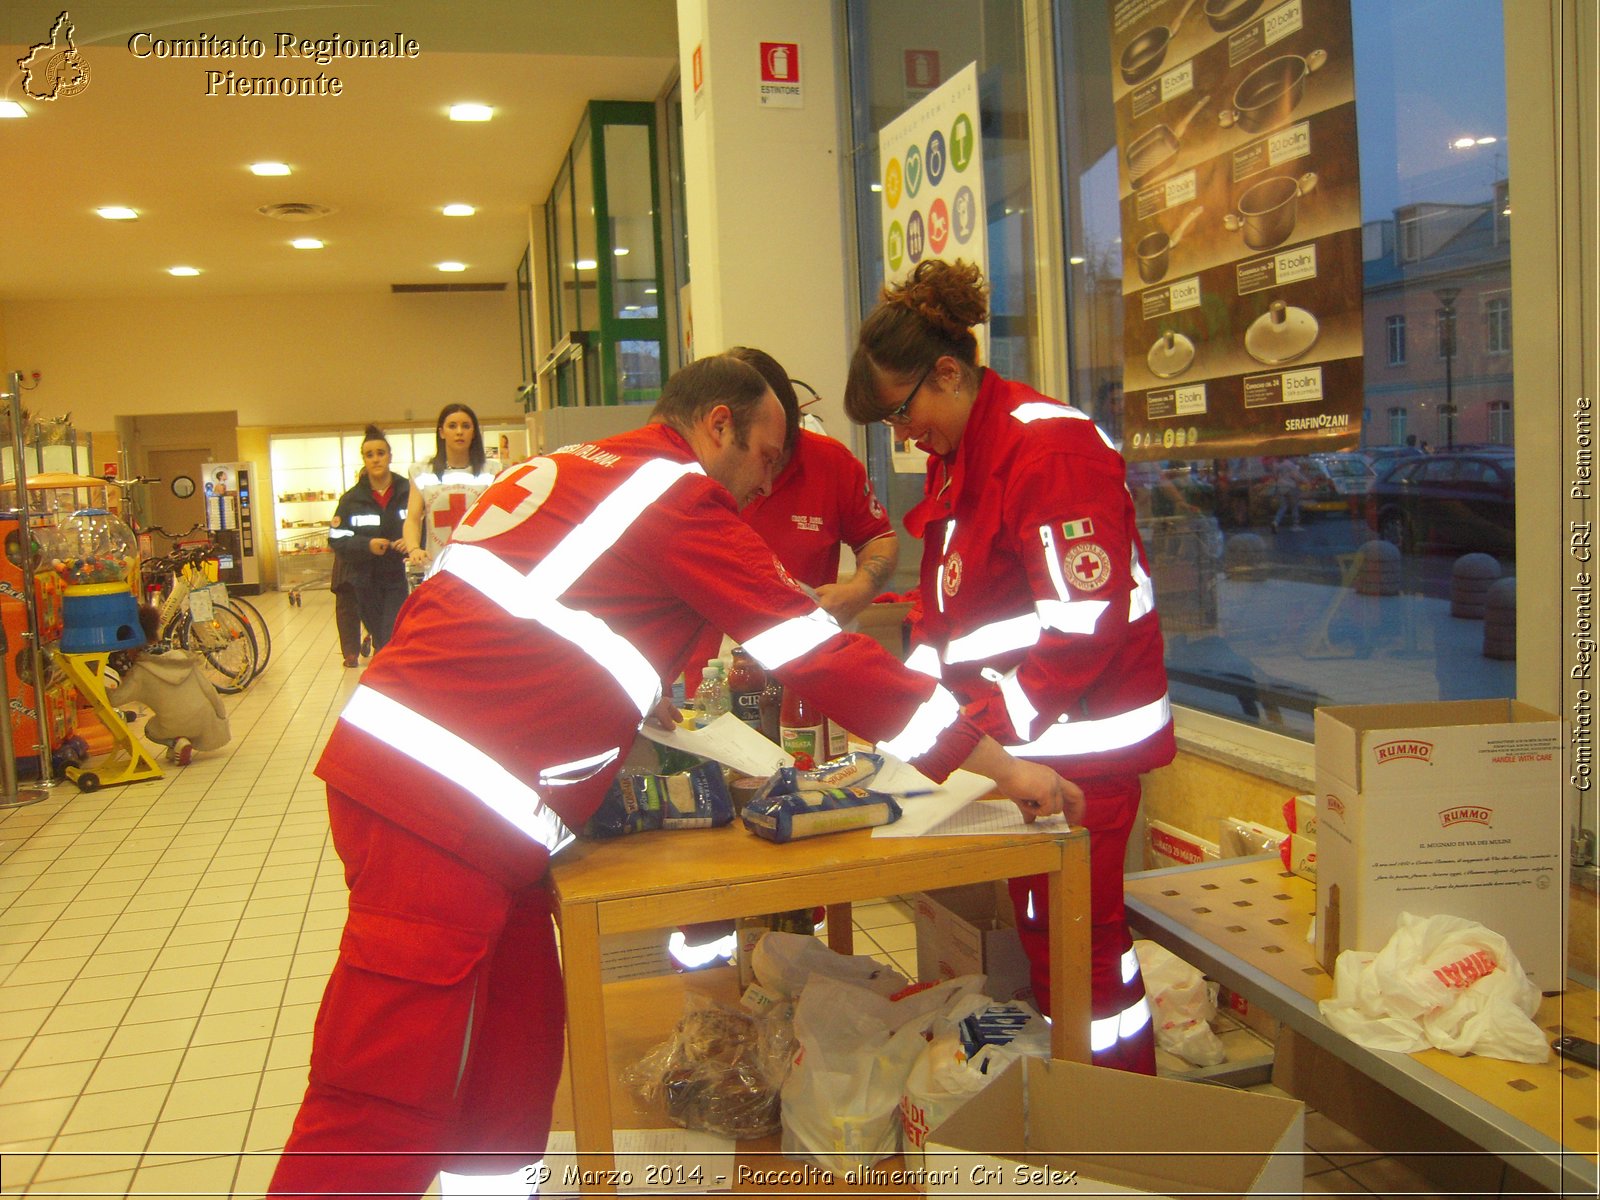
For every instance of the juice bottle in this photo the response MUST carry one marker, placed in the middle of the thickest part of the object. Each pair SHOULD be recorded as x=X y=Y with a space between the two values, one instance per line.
x=745 y=682
x=803 y=730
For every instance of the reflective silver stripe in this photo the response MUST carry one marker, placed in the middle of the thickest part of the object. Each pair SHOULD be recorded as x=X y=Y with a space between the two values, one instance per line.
x=788 y=640
x=998 y=637
x=944 y=551
x=1142 y=598
x=404 y=513
x=340 y=533
x=522 y=598
x=1106 y=1032
x=454 y=758
x=1103 y=733
x=933 y=716
x=365 y=519
x=1052 y=562
x=578 y=770
x=1018 y=707
x=1130 y=965
x=1044 y=410
x=924 y=659
x=536 y=596
x=1076 y=616
x=426 y=479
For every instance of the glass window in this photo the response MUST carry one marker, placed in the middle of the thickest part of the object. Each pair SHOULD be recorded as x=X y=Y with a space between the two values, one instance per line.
x=1397 y=341
x=1263 y=626
x=633 y=228
x=585 y=313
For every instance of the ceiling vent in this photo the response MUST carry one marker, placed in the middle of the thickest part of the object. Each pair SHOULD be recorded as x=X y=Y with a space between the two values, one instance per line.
x=407 y=289
x=294 y=211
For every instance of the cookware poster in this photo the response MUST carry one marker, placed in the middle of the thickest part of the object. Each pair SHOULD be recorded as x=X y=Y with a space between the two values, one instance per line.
x=1241 y=226
x=931 y=172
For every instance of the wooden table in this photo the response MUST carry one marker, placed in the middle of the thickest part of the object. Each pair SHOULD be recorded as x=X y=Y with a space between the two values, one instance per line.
x=665 y=879
x=1244 y=921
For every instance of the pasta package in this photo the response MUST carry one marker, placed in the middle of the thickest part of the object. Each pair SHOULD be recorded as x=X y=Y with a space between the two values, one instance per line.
x=693 y=796
x=784 y=816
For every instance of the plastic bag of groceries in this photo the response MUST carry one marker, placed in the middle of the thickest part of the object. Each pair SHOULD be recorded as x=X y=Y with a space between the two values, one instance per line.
x=785 y=962
x=973 y=1041
x=1182 y=1005
x=721 y=1070
x=854 y=1049
x=682 y=791
x=1442 y=982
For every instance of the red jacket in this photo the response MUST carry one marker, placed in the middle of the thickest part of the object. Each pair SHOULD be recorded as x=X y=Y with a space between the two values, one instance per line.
x=521 y=669
x=1037 y=607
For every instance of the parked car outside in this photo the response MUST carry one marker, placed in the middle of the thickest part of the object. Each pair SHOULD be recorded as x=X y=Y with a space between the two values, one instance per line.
x=1448 y=500
x=1339 y=482
x=1382 y=458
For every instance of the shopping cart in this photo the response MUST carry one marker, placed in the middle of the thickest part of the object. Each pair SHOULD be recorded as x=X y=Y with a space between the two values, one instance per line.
x=304 y=560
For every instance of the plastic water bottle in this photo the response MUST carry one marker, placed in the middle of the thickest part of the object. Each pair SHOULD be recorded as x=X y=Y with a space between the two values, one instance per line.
x=712 y=697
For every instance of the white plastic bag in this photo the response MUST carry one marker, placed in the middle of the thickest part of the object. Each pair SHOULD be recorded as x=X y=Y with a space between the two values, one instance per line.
x=1442 y=982
x=783 y=962
x=841 y=1102
x=1183 y=1003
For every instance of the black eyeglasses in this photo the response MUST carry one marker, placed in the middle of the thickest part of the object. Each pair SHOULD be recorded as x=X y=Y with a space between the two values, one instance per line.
x=898 y=416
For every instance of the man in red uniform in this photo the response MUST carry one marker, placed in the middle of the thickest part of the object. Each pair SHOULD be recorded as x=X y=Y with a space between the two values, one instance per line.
x=1037 y=609
x=490 y=728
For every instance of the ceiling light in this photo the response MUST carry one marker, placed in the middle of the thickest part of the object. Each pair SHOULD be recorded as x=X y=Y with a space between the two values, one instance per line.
x=184 y=271
x=452 y=266
x=586 y=264
x=1487 y=141
x=650 y=291
x=269 y=168
x=307 y=243
x=1462 y=143
x=876 y=187
x=116 y=212
x=10 y=108
x=458 y=210
x=1076 y=260
x=470 y=112
x=620 y=251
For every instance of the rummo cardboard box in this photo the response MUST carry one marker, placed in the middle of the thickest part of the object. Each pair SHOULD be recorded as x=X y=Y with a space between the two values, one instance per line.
x=1063 y=1129
x=972 y=931
x=1441 y=808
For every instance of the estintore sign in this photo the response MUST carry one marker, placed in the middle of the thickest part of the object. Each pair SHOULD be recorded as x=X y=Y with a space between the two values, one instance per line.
x=780 y=75
x=510 y=501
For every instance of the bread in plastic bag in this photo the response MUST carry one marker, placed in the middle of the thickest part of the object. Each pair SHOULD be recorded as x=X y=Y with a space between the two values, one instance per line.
x=721 y=1070
x=1442 y=982
x=1182 y=1005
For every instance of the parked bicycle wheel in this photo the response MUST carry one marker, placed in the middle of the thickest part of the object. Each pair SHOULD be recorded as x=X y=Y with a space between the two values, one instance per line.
x=225 y=649
x=257 y=624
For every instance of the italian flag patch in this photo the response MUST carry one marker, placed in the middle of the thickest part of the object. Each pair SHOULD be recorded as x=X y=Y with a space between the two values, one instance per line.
x=1072 y=530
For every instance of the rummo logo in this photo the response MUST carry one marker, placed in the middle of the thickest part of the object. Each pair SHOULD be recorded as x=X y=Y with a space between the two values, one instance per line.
x=54 y=69
x=1334 y=804
x=1466 y=814
x=1386 y=752
x=1320 y=421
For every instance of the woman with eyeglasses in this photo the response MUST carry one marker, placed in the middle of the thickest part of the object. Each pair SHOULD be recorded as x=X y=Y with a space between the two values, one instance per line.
x=1036 y=607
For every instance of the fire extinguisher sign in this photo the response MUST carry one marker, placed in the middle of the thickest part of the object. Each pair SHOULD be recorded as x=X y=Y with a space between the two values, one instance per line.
x=780 y=75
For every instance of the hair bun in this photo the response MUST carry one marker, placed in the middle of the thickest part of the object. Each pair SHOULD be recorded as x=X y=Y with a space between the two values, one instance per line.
x=950 y=296
x=373 y=434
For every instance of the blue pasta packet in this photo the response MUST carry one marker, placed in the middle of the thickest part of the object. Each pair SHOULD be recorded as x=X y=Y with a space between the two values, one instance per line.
x=687 y=793
x=799 y=804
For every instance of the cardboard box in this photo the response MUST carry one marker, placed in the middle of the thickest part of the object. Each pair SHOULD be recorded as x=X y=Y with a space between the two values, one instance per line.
x=1060 y=1128
x=1170 y=846
x=886 y=624
x=972 y=931
x=1441 y=808
x=639 y=955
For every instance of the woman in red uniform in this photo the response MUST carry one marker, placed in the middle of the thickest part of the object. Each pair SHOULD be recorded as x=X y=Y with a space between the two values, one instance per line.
x=1037 y=609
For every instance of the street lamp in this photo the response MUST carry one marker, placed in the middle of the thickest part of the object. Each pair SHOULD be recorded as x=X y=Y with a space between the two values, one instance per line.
x=1447 y=343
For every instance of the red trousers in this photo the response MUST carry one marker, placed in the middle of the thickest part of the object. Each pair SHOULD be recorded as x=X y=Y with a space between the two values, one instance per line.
x=1110 y=810
x=438 y=1045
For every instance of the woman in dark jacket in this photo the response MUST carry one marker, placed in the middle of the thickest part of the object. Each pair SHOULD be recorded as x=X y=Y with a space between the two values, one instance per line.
x=368 y=535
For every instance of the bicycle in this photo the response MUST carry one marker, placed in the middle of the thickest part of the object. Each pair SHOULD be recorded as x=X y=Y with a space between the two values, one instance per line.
x=195 y=614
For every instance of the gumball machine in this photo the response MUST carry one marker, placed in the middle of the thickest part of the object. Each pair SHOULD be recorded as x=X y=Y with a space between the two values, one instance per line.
x=96 y=557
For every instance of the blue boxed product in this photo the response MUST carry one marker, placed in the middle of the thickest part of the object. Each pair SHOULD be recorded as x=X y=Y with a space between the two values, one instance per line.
x=689 y=795
x=993 y=1026
x=783 y=816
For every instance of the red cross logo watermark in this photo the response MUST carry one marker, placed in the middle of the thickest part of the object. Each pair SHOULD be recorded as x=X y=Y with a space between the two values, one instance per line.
x=1090 y=567
x=510 y=500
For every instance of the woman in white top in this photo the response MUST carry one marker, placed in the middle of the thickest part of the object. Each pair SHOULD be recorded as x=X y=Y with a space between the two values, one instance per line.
x=448 y=484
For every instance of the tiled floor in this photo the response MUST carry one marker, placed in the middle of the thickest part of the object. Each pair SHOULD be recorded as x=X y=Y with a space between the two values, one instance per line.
x=163 y=947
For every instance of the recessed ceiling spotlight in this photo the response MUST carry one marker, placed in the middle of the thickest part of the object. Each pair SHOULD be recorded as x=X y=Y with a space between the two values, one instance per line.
x=452 y=266
x=471 y=112
x=585 y=264
x=650 y=291
x=620 y=251
x=183 y=271
x=458 y=210
x=269 y=168
x=116 y=212
x=307 y=243
x=10 y=108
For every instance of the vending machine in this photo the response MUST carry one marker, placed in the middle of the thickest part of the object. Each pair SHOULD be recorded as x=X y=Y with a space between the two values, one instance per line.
x=231 y=520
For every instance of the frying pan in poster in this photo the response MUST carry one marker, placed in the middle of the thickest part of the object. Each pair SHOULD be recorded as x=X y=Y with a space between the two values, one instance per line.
x=1142 y=57
x=1156 y=147
x=1265 y=97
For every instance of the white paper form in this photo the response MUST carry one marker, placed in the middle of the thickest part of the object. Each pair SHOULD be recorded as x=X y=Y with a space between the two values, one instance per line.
x=727 y=740
x=649 y=1162
x=953 y=809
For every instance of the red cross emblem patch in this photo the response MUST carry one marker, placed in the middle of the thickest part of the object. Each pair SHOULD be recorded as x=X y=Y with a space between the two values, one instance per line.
x=511 y=499
x=952 y=574
x=1089 y=566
